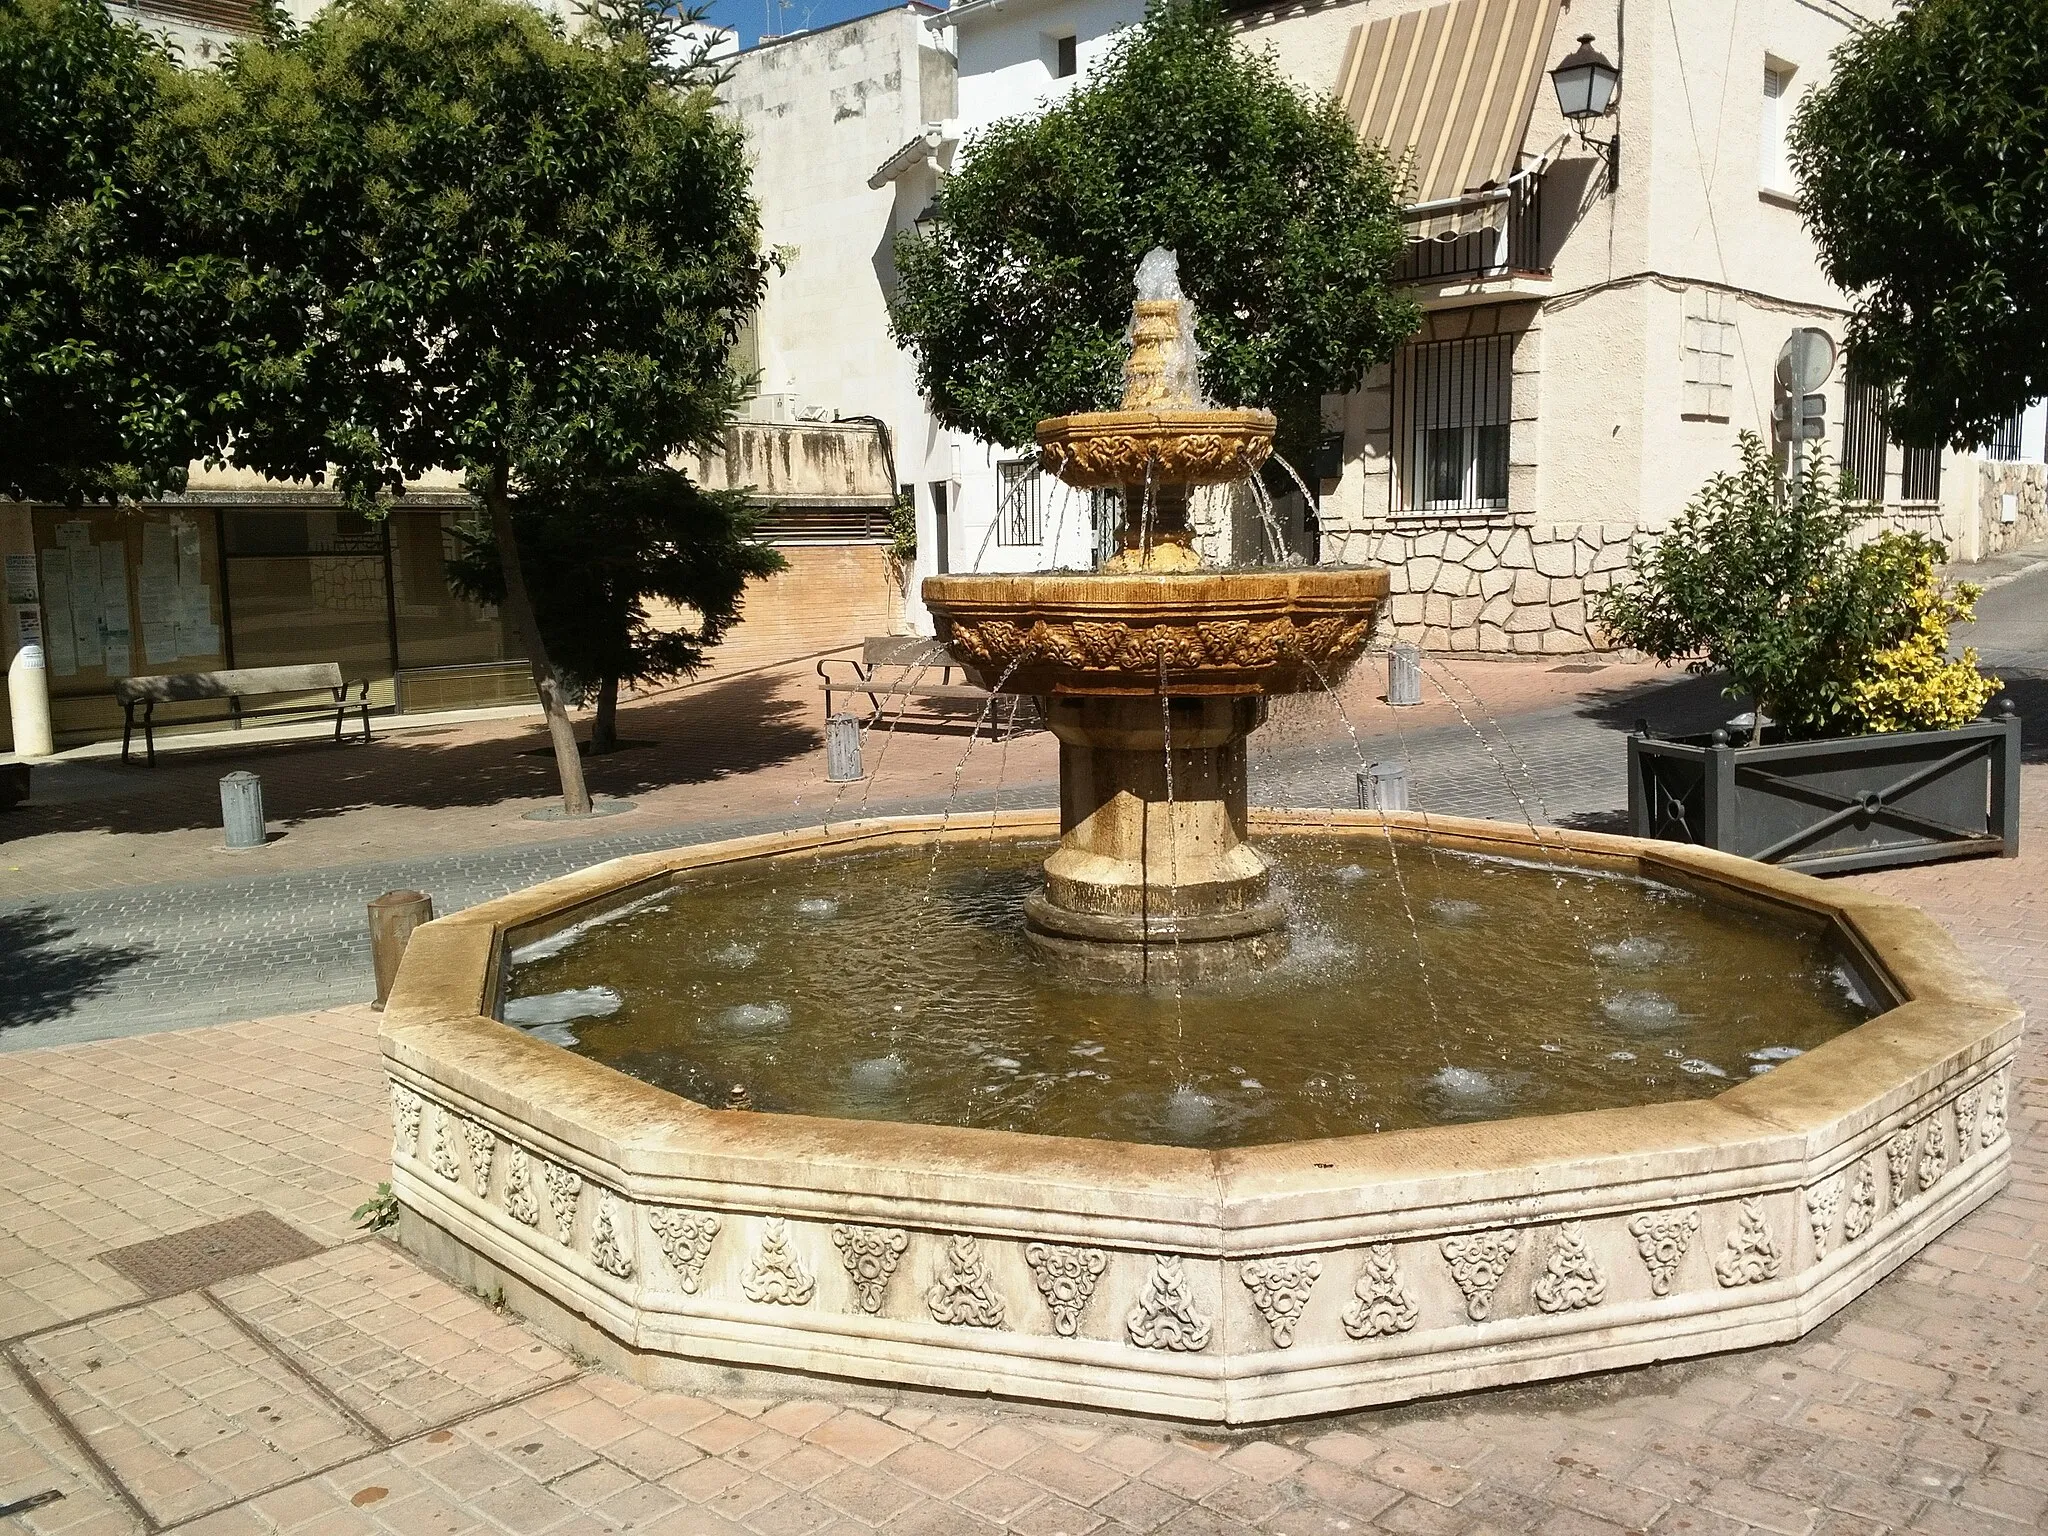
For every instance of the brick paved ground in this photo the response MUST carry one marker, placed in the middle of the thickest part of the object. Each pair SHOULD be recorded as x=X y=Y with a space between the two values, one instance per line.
x=352 y=1392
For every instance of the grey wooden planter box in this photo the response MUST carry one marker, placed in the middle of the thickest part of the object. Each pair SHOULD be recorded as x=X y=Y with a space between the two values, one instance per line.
x=1857 y=802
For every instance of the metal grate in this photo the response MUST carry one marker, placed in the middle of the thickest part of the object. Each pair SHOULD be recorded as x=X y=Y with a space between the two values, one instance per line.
x=1919 y=474
x=2005 y=442
x=1020 y=510
x=1451 y=424
x=1864 y=437
x=1105 y=522
x=1482 y=234
x=184 y=1261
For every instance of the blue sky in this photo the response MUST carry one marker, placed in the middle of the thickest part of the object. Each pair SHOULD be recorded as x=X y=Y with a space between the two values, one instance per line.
x=753 y=17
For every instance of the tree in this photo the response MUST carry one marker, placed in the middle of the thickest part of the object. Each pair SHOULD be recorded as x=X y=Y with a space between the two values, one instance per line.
x=1923 y=165
x=524 y=256
x=1287 y=230
x=594 y=554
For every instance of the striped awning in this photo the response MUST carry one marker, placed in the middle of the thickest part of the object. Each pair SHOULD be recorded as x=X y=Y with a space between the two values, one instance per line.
x=1452 y=85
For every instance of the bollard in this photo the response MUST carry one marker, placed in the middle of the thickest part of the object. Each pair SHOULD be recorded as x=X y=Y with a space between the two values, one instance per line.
x=241 y=809
x=842 y=749
x=1383 y=787
x=1404 y=674
x=393 y=916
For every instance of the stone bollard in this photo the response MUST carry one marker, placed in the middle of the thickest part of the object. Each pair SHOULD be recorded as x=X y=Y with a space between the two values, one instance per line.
x=1383 y=787
x=241 y=809
x=393 y=916
x=1404 y=674
x=842 y=749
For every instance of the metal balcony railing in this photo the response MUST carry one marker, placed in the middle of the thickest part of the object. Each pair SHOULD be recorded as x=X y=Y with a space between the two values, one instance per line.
x=1480 y=234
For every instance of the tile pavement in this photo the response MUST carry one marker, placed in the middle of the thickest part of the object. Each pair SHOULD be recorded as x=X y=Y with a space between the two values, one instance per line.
x=352 y=1392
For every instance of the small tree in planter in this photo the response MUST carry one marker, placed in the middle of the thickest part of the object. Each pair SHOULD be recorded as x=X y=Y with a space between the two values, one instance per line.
x=1872 y=756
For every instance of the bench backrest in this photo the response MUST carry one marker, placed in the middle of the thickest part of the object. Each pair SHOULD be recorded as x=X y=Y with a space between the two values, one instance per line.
x=903 y=651
x=239 y=683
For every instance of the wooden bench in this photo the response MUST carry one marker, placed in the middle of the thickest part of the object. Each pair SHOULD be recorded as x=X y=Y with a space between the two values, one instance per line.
x=234 y=686
x=897 y=668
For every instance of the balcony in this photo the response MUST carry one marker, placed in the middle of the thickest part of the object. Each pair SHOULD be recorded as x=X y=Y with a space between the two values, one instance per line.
x=1478 y=247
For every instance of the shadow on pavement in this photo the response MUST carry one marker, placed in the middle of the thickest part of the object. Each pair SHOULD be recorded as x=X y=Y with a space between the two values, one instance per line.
x=47 y=979
x=701 y=734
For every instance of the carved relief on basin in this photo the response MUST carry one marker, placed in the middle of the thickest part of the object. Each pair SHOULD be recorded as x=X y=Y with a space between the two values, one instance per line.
x=1104 y=449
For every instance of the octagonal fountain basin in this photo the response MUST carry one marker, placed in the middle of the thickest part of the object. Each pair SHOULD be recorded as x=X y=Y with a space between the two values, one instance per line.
x=1518 y=1104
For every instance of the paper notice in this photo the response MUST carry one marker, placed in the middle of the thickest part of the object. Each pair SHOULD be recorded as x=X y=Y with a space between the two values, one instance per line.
x=76 y=534
x=59 y=645
x=114 y=618
x=85 y=605
x=28 y=627
x=21 y=580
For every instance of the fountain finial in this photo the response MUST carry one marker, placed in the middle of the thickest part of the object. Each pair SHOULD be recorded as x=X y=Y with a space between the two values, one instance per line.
x=1163 y=372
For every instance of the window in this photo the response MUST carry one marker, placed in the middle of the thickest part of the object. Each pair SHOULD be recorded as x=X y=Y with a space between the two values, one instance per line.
x=1065 y=59
x=1772 y=174
x=1864 y=437
x=1451 y=419
x=1105 y=522
x=1020 y=515
x=2005 y=442
x=1920 y=474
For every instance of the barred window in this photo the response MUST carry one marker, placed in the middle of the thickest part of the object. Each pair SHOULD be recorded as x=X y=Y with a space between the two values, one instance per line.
x=1920 y=474
x=1451 y=414
x=2005 y=442
x=1020 y=511
x=1864 y=437
x=1105 y=522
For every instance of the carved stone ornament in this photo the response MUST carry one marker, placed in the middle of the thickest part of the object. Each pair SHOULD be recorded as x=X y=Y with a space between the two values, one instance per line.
x=607 y=1250
x=1994 y=1107
x=1280 y=1289
x=519 y=1202
x=1822 y=1200
x=1570 y=1280
x=775 y=1275
x=1933 y=1152
x=1478 y=1260
x=1898 y=1157
x=1862 y=1204
x=1187 y=447
x=483 y=1145
x=965 y=1294
x=1751 y=1257
x=564 y=1185
x=870 y=1255
x=685 y=1237
x=1164 y=1316
x=405 y=1119
x=1382 y=1305
x=1662 y=1238
x=1065 y=1277
x=1967 y=1103
x=441 y=1154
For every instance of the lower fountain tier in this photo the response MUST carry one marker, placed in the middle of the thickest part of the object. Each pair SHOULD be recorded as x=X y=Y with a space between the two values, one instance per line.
x=1153 y=880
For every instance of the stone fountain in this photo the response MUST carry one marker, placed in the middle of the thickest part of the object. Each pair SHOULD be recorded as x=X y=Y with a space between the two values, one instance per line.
x=1154 y=670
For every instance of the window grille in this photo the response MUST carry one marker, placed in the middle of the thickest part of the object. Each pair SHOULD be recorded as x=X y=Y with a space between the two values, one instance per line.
x=1920 y=474
x=1105 y=522
x=1451 y=415
x=2005 y=442
x=1020 y=511
x=1864 y=437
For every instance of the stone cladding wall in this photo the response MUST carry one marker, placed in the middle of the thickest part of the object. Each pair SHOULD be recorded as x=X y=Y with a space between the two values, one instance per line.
x=1521 y=590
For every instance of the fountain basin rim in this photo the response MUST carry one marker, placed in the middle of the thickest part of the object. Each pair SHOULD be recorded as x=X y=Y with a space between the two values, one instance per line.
x=1188 y=446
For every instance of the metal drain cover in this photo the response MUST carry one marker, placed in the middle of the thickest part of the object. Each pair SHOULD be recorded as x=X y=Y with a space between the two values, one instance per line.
x=198 y=1256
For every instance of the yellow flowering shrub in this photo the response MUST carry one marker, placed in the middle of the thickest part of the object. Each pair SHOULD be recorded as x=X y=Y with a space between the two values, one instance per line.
x=1916 y=685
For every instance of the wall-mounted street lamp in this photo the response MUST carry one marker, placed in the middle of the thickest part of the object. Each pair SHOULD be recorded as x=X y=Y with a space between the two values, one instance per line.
x=1585 y=84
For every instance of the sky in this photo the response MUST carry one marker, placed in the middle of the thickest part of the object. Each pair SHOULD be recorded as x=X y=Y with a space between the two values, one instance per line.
x=753 y=17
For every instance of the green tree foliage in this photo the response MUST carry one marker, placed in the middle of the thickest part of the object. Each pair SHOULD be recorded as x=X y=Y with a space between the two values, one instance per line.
x=1923 y=163
x=522 y=255
x=594 y=555
x=1287 y=230
x=1763 y=581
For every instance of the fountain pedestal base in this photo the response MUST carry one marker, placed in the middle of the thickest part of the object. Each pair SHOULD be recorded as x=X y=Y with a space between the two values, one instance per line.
x=1153 y=879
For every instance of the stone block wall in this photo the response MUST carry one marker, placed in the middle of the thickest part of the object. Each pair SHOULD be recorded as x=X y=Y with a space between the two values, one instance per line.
x=2027 y=483
x=1498 y=588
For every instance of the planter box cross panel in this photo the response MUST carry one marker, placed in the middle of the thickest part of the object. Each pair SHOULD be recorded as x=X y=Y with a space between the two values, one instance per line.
x=1849 y=803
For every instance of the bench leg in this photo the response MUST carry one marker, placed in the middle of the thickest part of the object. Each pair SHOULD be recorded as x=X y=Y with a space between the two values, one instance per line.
x=127 y=728
x=366 y=719
x=149 y=730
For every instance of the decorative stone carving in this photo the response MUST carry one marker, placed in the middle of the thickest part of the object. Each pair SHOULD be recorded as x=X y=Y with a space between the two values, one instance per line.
x=1751 y=1256
x=1164 y=1316
x=483 y=1145
x=1570 y=1280
x=1189 y=447
x=965 y=1294
x=441 y=1154
x=607 y=1250
x=519 y=1202
x=1280 y=1290
x=1382 y=1305
x=1478 y=1260
x=405 y=1119
x=1862 y=1204
x=1898 y=1156
x=775 y=1275
x=1967 y=1103
x=1822 y=1200
x=1662 y=1238
x=870 y=1255
x=564 y=1186
x=1065 y=1277
x=1933 y=1152
x=685 y=1237
x=1994 y=1107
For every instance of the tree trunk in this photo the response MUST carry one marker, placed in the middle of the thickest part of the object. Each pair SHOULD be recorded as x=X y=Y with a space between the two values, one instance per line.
x=604 y=726
x=519 y=609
